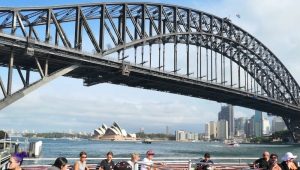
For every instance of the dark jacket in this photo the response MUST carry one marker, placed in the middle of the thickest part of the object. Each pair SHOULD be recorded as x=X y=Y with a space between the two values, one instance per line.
x=284 y=165
x=262 y=163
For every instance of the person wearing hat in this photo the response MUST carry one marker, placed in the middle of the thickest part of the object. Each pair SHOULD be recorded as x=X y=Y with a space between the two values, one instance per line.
x=147 y=162
x=288 y=162
x=135 y=157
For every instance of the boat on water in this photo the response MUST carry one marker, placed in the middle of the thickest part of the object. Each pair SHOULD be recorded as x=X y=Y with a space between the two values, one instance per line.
x=233 y=144
x=9 y=147
x=147 y=141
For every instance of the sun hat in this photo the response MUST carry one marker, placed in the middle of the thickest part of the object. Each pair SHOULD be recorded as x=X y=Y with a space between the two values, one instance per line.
x=288 y=156
x=150 y=152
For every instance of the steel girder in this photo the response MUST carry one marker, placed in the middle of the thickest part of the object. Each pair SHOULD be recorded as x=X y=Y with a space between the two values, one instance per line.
x=135 y=25
x=165 y=24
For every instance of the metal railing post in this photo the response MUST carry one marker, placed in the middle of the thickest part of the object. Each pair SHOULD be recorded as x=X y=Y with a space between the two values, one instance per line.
x=190 y=165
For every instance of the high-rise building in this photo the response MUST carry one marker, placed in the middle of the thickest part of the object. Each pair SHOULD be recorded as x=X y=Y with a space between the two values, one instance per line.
x=266 y=126
x=182 y=135
x=278 y=124
x=222 y=129
x=227 y=114
x=239 y=124
x=249 y=127
x=213 y=129
x=258 y=124
x=207 y=131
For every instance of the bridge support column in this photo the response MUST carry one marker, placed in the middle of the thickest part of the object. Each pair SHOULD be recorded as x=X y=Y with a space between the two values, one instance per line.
x=293 y=125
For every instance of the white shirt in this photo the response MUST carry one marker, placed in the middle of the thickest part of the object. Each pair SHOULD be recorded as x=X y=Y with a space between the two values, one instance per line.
x=146 y=162
x=134 y=165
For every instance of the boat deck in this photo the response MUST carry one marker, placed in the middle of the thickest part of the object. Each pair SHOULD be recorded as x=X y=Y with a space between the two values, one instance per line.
x=172 y=166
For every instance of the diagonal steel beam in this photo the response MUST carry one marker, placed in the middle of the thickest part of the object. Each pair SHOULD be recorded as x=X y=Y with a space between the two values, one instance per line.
x=113 y=25
x=21 y=93
x=60 y=31
x=89 y=32
x=21 y=24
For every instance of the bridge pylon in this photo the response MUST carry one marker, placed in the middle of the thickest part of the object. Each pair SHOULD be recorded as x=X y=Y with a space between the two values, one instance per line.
x=293 y=126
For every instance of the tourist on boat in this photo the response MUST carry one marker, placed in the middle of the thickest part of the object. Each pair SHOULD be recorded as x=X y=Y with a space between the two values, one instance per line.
x=148 y=164
x=106 y=164
x=81 y=164
x=205 y=163
x=135 y=157
x=15 y=161
x=288 y=162
x=262 y=163
x=273 y=162
x=61 y=163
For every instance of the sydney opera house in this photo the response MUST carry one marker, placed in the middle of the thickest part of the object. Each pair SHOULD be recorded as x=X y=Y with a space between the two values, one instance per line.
x=114 y=133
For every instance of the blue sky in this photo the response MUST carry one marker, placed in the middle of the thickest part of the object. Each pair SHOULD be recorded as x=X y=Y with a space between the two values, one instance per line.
x=66 y=104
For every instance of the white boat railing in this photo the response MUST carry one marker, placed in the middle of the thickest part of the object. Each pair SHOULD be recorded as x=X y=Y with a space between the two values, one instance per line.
x=189 y=162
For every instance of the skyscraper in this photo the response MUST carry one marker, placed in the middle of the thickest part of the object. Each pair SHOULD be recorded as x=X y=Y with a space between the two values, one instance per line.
x=226 y=113
x=266 y=126
x=207 y=131
x=239 y=125
x=258 y=124
x=278 y=124
x=222 y=129
x=213 y=129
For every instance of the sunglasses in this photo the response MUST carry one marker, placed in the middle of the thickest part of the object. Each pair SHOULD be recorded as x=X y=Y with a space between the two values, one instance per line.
x=84 y=157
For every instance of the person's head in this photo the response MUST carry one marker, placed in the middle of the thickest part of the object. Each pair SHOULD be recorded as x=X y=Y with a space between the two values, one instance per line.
x=61 y=163
x=273 y=158
x=83 y=156
x=206 y=156
x=150 y=154
x=135 y=157
x=16 y=160
x=109 y=156
x=266 y=155
x=289 y=157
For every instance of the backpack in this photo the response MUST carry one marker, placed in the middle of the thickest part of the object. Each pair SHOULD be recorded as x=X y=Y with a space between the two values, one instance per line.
x=123 y=165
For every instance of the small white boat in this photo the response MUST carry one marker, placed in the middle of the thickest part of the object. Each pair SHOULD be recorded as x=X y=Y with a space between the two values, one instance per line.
x=233 y=144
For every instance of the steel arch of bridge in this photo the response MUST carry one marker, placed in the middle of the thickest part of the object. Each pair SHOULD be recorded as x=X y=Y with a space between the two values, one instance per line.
x=135 y=26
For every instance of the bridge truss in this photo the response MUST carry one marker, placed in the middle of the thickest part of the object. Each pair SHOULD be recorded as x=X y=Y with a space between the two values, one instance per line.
x=148 y=45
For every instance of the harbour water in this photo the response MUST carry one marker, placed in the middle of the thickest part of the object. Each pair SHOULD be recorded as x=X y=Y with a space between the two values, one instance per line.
x=98 y=149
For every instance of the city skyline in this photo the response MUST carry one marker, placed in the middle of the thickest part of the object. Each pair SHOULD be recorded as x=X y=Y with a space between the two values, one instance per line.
x=58 y=105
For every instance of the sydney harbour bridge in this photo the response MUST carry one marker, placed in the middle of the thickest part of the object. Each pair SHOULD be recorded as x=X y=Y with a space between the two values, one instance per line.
x=153 y=46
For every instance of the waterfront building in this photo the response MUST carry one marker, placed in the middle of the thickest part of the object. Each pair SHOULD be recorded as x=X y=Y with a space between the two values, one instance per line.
x=248 y=128
x=222 y=130
x=258 y=124
x=278 y=124
x=227 y=114
x=115 y=132
x=207 y=131
x=213 y=129
x=239 y=125
x=266 y=126
x=182 y=135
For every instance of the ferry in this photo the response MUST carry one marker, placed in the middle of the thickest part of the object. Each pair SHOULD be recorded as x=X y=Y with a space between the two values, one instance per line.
x=164 y=164
x=8 y=147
